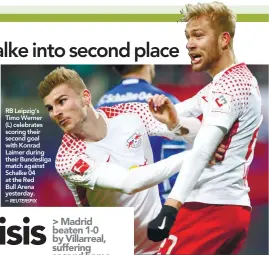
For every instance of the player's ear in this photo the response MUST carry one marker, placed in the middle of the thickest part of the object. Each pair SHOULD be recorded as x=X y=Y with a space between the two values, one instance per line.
x=86 y=94
x=225 y=39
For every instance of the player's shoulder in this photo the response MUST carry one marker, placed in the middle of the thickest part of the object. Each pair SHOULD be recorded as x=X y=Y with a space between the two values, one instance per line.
x=69 y=151
x=124 y=108
x=233 y=89
x=240 y=68
x=71 y=144
x=236 y=80
x=238 y=75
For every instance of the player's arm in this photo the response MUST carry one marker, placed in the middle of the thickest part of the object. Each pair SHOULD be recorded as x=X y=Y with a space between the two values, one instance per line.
x=163 y=110
x=115 y=177
x=224 y=110
x=206 y=142
x=189 y=125
x=84 y=174
x=171 y=147
x=216 y=124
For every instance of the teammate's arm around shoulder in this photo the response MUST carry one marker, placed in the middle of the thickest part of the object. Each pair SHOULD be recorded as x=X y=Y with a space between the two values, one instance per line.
x=85 y=172
x=163 y=110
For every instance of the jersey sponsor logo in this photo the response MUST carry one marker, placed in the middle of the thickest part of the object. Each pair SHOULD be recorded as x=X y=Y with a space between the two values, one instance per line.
x=221 y=102
x=80 y=167
x=122 y=98
x=134 y=141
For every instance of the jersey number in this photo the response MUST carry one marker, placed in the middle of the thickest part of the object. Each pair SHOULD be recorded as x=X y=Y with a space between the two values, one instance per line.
x=174 y=241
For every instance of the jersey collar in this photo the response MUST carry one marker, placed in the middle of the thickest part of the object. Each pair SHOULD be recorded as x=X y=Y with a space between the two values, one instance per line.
x=129 y=81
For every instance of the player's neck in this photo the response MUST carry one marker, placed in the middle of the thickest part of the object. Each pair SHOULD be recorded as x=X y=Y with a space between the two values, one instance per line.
x=226 y=60
x=93 y=128
x=140 y=75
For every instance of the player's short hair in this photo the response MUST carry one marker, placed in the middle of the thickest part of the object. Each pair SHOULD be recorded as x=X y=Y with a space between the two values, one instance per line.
x=222 y=18
x=59 y=76
x=126 y=69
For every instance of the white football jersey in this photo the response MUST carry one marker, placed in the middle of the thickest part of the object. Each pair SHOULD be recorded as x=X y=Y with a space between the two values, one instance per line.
x=126 y=144
x=232 y=101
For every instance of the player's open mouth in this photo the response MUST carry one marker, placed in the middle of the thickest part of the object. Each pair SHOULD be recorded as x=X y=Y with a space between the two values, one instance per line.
x=195 y=58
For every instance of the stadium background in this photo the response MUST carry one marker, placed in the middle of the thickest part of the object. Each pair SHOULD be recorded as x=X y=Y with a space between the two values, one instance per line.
x=19 y=89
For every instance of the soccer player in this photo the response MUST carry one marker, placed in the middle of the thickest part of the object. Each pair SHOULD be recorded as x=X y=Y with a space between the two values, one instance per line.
x=213 y=202
x=104 y=157
x=136 y=86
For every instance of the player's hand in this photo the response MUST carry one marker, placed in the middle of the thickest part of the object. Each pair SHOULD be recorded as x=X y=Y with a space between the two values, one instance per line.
x=163 y=110
x=218 y=155
x=159 y=228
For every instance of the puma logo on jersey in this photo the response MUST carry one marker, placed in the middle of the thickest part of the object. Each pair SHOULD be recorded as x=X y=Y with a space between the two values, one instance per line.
x=80 y=167
x=134 y=141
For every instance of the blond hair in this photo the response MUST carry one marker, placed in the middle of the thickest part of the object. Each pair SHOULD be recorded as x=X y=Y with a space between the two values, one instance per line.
x=222 y=18
x=59 y=76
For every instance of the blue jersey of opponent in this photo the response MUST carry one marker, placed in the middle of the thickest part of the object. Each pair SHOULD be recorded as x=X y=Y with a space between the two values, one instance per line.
x=138 y=90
